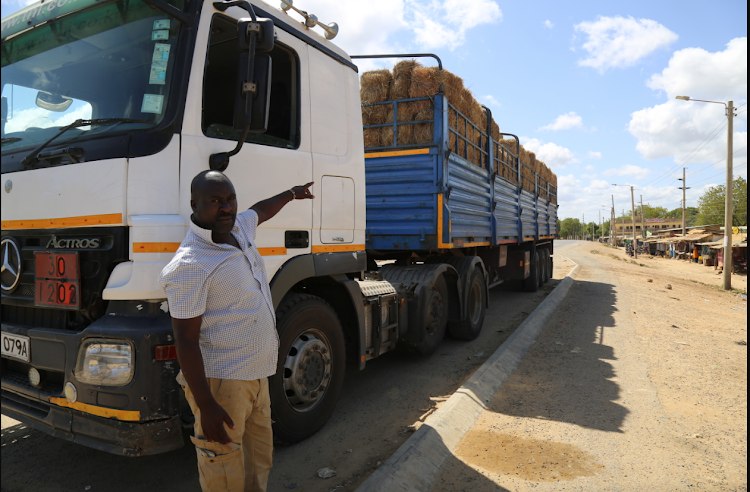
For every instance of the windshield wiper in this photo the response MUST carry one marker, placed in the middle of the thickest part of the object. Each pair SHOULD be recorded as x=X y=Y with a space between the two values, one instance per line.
x=31 y=157
x=10 y=139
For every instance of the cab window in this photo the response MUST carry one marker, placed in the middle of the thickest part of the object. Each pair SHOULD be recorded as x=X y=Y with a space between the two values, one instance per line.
x=219 y=88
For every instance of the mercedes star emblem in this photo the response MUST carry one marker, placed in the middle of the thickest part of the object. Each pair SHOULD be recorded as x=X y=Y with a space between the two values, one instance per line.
x=10 y=272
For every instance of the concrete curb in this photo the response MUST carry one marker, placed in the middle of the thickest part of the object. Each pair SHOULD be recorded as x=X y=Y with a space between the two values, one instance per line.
x=414 y=466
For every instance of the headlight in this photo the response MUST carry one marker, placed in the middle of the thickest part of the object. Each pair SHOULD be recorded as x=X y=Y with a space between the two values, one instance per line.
x=105 y=362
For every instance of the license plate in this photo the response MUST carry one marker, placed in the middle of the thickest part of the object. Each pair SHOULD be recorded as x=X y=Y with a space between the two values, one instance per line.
x=57 y=280
x=15 y=346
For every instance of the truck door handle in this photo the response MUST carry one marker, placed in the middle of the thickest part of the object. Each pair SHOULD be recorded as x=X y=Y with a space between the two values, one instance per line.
x=339 y=239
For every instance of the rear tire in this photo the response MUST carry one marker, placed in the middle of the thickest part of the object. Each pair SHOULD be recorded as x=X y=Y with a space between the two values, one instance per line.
x=543 y=271
x=437 y=318
x=470 y=327
x=531 y=283
x=310 y=369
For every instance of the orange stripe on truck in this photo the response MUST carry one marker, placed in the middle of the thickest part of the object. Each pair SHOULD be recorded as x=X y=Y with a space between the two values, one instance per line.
x=272 y=251
x=155 y=247
x=65 y=222
x=338 y=248
x=129 y=415
x=397 y=153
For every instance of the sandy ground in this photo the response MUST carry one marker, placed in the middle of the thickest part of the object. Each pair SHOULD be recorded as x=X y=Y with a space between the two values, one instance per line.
x=370 y=422
x=633 y=385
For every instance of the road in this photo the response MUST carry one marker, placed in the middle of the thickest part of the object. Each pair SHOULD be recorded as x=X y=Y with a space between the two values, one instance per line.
x=638 y=382
x=370 y=422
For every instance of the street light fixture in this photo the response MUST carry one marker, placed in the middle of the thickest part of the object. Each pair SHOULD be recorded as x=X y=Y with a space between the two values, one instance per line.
x=729 y=109
x=632 y=217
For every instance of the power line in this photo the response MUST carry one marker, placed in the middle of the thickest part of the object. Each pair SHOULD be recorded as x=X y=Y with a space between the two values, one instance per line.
x=720 y=160
x=712 y=134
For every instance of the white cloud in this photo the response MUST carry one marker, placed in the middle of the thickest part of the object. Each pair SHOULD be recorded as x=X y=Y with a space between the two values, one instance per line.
x=548 y=24
x=444 y=24
x=618 y=42
x=376 y=27
x=564 y=122
x=629 y=170
x=592 y=154
x=490 y=100
x=676 y=128
x=590 y=168
x=550 y=153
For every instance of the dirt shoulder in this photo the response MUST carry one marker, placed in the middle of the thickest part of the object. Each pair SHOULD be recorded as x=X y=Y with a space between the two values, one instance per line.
x=633 y=385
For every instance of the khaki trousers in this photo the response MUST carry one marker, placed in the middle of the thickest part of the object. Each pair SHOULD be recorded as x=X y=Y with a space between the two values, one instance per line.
x=244 y=464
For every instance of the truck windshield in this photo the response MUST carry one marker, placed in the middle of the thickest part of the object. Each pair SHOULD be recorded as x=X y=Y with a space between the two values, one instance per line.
x=113 y=59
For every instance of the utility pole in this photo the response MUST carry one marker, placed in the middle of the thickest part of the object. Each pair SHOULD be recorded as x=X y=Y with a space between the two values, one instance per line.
x=728 y=200
x=683 y=188
x=643 y=222
x=613 y=231
x=635 y=238
x=583 y=216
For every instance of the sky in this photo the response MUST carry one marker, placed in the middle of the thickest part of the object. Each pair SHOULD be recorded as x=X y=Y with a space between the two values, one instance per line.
x=588 y=86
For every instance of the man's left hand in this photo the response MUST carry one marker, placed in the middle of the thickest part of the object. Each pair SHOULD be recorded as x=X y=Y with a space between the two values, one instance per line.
x=303 y=192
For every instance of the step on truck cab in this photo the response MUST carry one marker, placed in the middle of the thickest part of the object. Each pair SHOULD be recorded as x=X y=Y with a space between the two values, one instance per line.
x=109 y=108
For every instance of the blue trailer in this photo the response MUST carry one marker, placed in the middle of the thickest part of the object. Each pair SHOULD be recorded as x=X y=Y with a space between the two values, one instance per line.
x=454 y=227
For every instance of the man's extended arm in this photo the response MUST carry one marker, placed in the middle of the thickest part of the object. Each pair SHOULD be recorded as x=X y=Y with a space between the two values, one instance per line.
x=270 y=206
x=213 y=416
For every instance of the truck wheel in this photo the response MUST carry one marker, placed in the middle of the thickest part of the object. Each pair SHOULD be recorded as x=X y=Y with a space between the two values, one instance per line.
x=436 y=319
x=543 y=271
x=310 y=369
x=531 y=283
x=548 y=263
x=469 y=328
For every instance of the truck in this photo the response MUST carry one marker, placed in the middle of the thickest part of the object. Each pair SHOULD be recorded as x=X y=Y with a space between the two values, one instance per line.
x=109 y=108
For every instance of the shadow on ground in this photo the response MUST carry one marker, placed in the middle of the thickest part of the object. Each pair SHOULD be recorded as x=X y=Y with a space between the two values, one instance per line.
x=566 y=377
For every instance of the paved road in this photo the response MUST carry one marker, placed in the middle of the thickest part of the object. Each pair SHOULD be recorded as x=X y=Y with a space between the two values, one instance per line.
x=369 y=423
x=633 y=385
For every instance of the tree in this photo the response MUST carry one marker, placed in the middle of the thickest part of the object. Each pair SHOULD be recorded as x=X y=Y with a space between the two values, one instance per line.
x=570 y=227
x=691 y=215
x=711 y=204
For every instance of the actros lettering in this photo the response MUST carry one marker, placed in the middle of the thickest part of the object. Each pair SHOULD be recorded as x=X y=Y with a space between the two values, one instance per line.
x=73 y=243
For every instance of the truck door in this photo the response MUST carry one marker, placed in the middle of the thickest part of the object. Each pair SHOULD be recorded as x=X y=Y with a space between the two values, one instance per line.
x=268 y=163
x=338 y=155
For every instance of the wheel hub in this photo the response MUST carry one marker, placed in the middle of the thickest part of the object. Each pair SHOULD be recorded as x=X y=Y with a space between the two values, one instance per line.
x=307 y=370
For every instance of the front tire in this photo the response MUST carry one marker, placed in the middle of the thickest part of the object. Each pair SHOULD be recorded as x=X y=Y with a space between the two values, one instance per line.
x=310 y=369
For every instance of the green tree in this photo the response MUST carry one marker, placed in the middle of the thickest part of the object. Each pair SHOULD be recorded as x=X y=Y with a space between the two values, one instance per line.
x=691 y=215
x=711 y=204
x=570 y=227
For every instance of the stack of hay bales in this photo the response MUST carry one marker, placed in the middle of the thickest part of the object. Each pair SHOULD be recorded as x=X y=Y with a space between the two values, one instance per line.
x=532 y=165
x=375 y=87
x=410 y=79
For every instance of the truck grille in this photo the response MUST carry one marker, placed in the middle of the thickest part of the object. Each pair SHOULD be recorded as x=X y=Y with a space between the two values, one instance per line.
x=96 y=264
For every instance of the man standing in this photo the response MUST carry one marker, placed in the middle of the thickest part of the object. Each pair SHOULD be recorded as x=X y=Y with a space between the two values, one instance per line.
x=225 y=331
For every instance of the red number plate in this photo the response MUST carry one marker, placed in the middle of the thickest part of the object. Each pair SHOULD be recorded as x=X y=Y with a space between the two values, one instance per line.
x=58 y=280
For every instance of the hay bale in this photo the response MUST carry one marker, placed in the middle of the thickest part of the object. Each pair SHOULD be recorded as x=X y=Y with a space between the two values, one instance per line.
x=425 y=82
x=374 y=87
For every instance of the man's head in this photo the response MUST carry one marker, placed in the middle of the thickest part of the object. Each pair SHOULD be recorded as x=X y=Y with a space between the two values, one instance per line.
x=213 y=201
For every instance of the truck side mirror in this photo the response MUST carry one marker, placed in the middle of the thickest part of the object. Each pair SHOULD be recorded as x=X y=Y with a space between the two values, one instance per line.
x=252 y=100
x=253 y=113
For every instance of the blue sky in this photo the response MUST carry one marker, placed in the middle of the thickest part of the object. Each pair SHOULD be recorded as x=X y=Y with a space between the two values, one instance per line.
x=589 y=86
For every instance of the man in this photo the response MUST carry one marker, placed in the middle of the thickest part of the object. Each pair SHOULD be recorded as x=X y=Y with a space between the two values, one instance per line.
x=225 y=331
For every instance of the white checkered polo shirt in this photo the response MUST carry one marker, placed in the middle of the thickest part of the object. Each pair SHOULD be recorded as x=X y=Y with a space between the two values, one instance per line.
x=229 y=288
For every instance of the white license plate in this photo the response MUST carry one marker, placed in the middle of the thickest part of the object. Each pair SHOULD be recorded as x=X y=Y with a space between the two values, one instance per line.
x=15 y=346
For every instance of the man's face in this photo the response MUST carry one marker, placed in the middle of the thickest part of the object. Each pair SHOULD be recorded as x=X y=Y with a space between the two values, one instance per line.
x=214 y=205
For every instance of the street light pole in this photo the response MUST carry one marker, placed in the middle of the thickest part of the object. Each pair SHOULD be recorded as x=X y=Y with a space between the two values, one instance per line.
x=728 y=200
x=729 y=106
x=614 y=223
x=635 y=238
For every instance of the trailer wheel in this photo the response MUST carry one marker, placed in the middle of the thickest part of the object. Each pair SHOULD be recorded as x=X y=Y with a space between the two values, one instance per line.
x=469 y=328
x=531 y=283
x=543 y=271
x=548 y=264
x=310 y=368
x=436 y=319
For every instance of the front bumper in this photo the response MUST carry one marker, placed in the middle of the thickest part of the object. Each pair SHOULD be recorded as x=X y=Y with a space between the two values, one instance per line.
x=113 y=436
